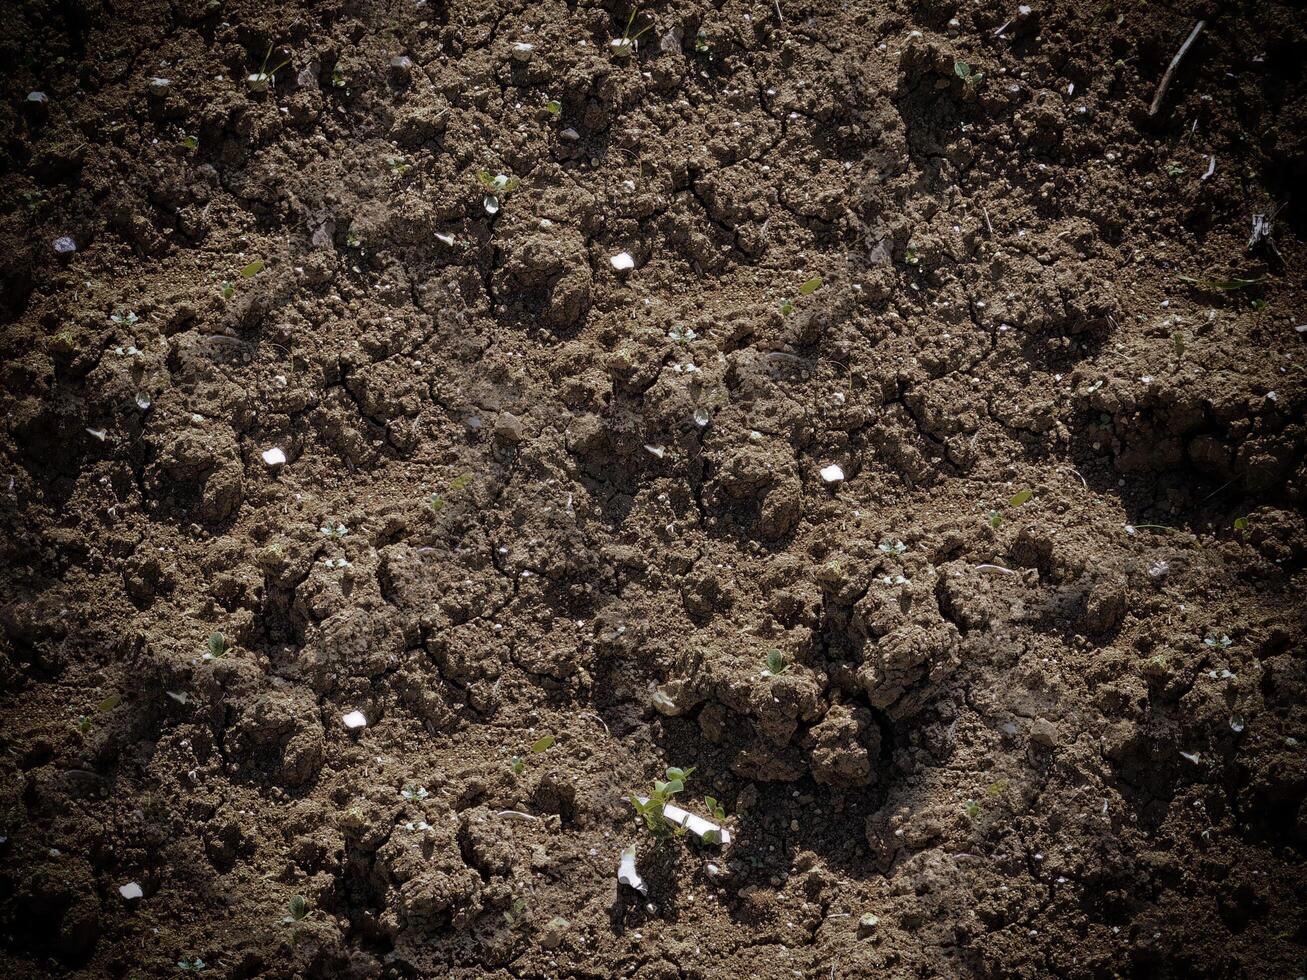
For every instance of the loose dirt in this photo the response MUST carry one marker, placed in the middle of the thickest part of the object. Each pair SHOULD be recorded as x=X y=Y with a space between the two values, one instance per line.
x=1038 y=707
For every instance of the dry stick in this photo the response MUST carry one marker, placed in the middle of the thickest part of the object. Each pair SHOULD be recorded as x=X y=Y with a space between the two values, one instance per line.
x=1165 y=83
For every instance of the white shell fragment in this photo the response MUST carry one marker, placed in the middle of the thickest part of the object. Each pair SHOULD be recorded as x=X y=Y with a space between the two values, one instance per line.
x=523 y=51
x=626 y=873
x=623 y=262
x=130 y=891
x=833 y=473
x=274 y=456
x=355 y=719
x=705 y=830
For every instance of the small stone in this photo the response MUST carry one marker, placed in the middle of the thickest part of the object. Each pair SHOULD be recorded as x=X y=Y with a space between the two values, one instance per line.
x=867 y=925
x=622 y=262
x=274 y=457
x=1043 y=732
x=570 y=135
x=833 y=473
x=523 y=52
x=64 y=245
x=130 y=891
x=38 y=98
x=555 y=932
x=508 y=428
x=355 y=719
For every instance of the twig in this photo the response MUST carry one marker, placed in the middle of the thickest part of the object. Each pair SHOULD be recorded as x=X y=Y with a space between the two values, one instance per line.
x=1165 y=83
x=516 y=815
x=987 y=224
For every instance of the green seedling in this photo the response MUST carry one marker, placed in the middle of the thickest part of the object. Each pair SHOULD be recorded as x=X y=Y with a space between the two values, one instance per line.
x=338 y=79
x=809 y=287
x=253 y=269
x=1222 y=642
x=995 y=518
x=681 y=335
x=664 y=791
x=970 y=77
x=497 y=188
x=624 y=45
x=227 y=289
x=1174 y=169
x=776 y=664
x=516 y=765
x=398 y=165
x=1177 y=340
x=298 y=907
x=461 y=482
x=414 y=793
x=701 y=43
x=997 y=788
x=264 y=77
x=333 y=530
x=1020 y=497
x=352 y=240
x=1241 y=523
x=192 y=964
x=515 y=913
x=83 y=723
x=128 y=319
x=215 y=648
x=191 y=143
x=972 y=809
x=554 y=108
x=910 y=256
x=892 y=548
x=542 y=744
x=436 y=502
x=715 y=809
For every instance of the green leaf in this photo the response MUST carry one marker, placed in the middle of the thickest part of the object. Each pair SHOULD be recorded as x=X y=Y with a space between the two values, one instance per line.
x=253 y=269
x=541 y=744
x=787 y=308
x=1020 y=497
x=299 y=907
x=962 y=70
x=1241 y=523
x=555 y=107
x=516 y=764
x=109 y=703
x=675 y=786
x=217 y=644
x=776 y=662
x=811 y=286
x=461 y=482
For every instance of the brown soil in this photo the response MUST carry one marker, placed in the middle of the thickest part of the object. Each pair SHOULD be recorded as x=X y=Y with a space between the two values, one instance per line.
x=530 y=494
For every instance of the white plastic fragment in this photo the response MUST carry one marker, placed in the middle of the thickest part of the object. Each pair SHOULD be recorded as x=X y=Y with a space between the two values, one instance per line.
x=705 y=830
x=130 y=891
x=995 y=568
x=622 y=262
x=100 y=434
x=274 y=456
x=447 y=239
x=355 y=719
x=833 y=473
x=516 y=815
x=1211 y=167
x=1193 y=757
x=658 y=451
x=181 y=697
x=626 y=873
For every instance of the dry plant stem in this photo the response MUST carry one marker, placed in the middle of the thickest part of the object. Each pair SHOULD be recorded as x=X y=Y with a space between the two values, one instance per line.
x=1165 y=83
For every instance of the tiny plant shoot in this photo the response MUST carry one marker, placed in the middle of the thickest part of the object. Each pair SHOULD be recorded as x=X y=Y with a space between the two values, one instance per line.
x=806 y=289
x=715 y=809
x=970 y=77
x=216 y=647
x=776 y=664
x=497 y=187
x=298 y=907
x=664 y=791
x=264 y=77
x=623 y=46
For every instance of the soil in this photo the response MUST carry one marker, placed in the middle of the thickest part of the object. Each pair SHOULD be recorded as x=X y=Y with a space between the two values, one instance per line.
x=1039 y=707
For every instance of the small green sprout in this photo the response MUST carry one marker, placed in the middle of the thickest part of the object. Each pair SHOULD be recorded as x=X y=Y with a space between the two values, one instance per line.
x=701 y=43
x=542 y=744
x=83 y=723
x=109 y=703
x=253 y=269
x=972 y=809
x=398 y=165
x=333 y=530
x=338 y=79
x=1219 y=284
x=216 y=646
x=995 y=518
x=436 y=502
x=807 y=288
x=624 y=45
x=516 y=765
x=910 y=256
x=997 y=788
x=227 y=289
x=681 y=335
x=892 y=548
x=1241 y=523
x=461 y=482
x=514 y=914
x=497 y=188
x=554 y=108
x=776 y=664
x=190 y=142
x=1174 y=169
x=1177 y=340
x=715 y=809
x=1222 y=642
x=1020 y=497
x=414 y=793
x=298 y=907
x=192 y=964
x=970 y=77
x=651 y=810
x=352 y=240
x=264 y=77
x=128 y=319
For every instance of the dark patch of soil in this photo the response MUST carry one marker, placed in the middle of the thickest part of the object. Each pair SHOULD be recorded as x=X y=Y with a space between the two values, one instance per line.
x=528 y=492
